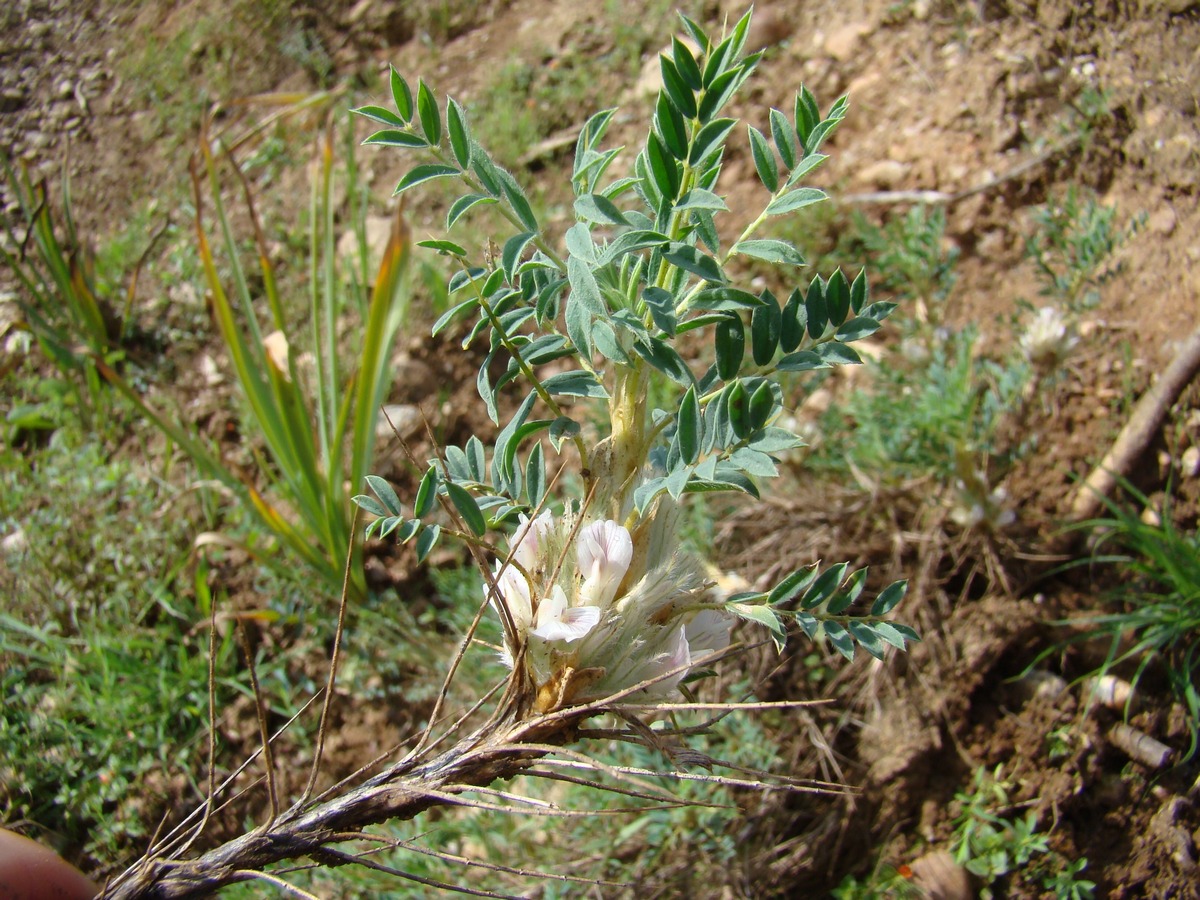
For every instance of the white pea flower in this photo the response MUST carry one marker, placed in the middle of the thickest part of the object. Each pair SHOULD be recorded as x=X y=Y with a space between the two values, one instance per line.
x=528 y=537
x=558 y=622
x=604 y=551
x=1049 y=339
x=596 y=614
x=674 y=661
x=709 y=631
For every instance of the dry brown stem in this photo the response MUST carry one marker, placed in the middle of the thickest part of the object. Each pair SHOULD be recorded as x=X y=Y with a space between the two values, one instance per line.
x=1138 y=432
x=399 y=792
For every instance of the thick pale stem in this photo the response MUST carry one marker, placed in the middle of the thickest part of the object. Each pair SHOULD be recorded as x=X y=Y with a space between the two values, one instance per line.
x=627 y=445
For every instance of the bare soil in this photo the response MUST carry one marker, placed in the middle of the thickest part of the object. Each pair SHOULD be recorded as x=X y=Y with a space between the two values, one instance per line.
x=945 y=97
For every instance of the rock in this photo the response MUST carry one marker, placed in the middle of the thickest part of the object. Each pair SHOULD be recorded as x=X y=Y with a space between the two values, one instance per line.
x=12 y=99
x=16 y=542
x=1189 y=462
x=884 y=174
x=1040 y=684
x=941 y=877
x=1162 y=221
x=210 y=371
x=841 y=43
x=377 y=230
x=767 y=29
x=404 y=417
x=649 y=80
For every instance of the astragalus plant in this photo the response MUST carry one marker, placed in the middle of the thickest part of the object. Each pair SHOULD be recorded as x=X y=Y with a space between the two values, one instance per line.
x=577 y=535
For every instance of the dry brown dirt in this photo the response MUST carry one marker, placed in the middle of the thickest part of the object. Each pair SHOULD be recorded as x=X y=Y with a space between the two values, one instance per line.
x=945 y=97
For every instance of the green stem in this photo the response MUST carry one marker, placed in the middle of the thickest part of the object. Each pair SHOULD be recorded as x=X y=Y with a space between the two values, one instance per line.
x=526 y=369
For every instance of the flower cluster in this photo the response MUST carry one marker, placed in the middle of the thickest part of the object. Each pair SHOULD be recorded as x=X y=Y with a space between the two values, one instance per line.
x=589 y=615
x=1049 y=339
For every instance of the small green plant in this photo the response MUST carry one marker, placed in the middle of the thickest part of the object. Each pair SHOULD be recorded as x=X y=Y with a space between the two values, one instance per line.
x=1071 y=247
x=645 y=264
x=1157 y=617
x=575 y=529
x=77 y=319
x=994 y=847
x=103 y=679
x=885 y=883
x=318 y=423
x=913 y=259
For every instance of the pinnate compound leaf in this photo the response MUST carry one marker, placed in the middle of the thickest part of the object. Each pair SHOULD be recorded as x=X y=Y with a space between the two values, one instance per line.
x=385 y=493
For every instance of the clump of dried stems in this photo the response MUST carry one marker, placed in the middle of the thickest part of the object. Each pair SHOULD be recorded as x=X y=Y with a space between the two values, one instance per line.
x=454 y=761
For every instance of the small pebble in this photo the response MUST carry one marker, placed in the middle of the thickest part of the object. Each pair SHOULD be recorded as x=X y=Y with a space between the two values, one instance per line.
x=1189 y=462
